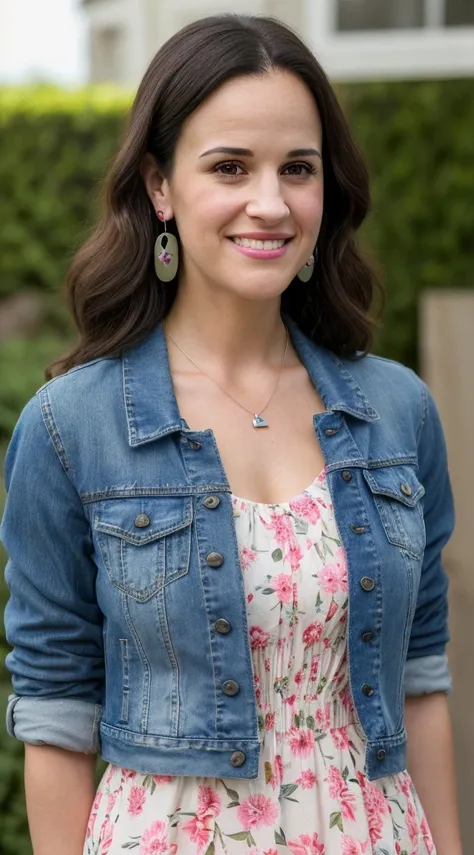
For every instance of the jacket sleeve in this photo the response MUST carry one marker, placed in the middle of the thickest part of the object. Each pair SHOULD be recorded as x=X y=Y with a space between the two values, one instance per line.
x=427 y=667
x=52 y=618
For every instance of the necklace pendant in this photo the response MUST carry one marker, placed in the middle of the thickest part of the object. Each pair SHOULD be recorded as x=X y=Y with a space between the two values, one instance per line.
x=258 y=422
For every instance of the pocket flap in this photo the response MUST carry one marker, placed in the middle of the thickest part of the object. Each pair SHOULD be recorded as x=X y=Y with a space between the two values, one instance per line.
x=395 y=482
x=142 y=520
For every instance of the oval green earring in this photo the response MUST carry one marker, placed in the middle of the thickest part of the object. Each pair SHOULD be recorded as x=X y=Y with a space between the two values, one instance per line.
x=166 y=254
x=306 y=272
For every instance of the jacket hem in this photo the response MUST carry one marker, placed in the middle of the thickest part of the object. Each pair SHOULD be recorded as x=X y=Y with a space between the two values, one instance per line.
x=386 y=756
x=193 y=757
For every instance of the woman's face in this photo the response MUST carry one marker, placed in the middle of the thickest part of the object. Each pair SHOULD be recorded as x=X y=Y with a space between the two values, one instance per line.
x=247 y=168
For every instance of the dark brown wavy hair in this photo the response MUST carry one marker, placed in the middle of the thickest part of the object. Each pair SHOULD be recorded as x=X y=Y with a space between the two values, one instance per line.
x=113 y=291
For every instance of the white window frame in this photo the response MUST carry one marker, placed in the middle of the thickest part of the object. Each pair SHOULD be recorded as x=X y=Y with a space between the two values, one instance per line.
x=431 y=51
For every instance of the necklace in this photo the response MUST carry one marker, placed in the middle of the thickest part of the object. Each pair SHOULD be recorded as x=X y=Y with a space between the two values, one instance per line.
x=257 y=421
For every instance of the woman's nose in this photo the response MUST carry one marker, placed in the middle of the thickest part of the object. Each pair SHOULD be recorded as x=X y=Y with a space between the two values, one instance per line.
x=267 y=203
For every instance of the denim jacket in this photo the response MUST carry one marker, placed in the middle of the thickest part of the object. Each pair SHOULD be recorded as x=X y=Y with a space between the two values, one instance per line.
x=123 y=554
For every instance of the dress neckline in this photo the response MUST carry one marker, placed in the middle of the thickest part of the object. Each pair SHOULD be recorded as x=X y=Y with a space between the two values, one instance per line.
x=316 y=481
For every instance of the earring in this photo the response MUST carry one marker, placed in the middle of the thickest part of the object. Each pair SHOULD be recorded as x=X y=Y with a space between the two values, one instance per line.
x=166 y=254
x=306 y=272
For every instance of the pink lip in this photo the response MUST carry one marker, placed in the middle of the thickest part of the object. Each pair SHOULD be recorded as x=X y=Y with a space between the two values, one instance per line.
x=267 y=254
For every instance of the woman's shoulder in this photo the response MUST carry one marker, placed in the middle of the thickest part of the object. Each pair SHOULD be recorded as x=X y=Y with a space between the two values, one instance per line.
x=85 y=387
x=71 y=404
x=394 y=390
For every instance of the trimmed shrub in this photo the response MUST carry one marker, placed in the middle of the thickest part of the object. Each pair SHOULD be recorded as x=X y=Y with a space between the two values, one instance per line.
x=417 y=138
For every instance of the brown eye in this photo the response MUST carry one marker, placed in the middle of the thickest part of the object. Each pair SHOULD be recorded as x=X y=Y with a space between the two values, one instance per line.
x=301 y=169
x=229 y=168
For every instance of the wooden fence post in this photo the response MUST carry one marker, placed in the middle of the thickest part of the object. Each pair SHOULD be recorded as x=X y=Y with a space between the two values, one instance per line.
x=447 y=365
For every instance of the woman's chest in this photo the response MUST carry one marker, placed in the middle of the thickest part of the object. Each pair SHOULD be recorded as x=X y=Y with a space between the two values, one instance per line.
x=269 y=463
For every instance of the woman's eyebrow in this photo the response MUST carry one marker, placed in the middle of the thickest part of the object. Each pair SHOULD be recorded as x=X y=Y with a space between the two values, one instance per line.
x=245 y=152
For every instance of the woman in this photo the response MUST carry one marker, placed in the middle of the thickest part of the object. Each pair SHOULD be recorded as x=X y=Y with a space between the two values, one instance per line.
x=239 y=656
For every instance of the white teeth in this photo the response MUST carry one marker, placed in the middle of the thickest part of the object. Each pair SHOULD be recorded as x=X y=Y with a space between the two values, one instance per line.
x=259 y=244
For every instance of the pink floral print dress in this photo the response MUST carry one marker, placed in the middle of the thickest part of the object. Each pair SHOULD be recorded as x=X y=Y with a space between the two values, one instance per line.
x=311 y=796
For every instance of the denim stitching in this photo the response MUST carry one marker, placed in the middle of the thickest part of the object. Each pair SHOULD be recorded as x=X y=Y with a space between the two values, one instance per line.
x=191 y=490
x=125 y=678
x=54 y=435
x=145 y=663
x=165 y=634
x=196 y=528
x=424 y=411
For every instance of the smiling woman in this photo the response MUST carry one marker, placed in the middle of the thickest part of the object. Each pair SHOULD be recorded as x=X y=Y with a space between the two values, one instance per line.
x=225 y=522
x=208 y=116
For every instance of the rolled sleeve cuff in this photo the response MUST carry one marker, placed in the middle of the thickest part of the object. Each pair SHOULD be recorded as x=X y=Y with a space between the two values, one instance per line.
x=427 y=674
x=67 y=723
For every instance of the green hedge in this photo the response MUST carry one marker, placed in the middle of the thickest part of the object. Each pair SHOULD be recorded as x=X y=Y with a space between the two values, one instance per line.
x=419 y=142
x=54 y=147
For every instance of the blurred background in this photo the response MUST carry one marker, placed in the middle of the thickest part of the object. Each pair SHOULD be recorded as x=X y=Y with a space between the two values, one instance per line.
x=404 y=72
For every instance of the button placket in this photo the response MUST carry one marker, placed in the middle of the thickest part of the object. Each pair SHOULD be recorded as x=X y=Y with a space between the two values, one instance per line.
x=194 y=444
x=211 y=502
x=237 y=758
x=222 y=625
x=357 y=529
x=142 y=521
x=214 y=559
x=230 y=688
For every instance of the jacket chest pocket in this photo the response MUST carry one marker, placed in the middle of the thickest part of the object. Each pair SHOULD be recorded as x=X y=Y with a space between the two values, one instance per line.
x=397 y=495
x=145 y=543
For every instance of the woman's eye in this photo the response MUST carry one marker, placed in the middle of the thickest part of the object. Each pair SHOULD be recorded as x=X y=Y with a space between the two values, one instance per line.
x=228 y=168
x=301 y=169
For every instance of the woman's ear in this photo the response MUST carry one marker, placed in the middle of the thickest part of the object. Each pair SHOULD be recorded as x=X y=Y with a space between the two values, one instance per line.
x=157 y=186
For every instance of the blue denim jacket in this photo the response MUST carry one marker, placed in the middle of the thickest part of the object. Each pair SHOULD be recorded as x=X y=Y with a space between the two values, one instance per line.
x=122 y=555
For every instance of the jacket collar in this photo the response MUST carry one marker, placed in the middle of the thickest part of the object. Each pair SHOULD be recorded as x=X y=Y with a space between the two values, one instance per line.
x=150 y=402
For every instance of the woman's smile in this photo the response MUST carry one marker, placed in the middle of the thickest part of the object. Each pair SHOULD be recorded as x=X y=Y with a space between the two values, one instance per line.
x=262 y=247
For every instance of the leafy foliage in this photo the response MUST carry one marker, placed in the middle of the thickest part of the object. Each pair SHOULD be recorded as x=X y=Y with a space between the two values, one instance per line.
x=418 y=142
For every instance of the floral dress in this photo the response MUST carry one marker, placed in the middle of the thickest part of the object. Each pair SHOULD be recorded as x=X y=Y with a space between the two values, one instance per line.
x=311 y=796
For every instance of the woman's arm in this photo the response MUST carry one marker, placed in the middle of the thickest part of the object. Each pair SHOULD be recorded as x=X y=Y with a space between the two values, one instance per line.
x=60 y=790
x=431 y=765
x=54 y=625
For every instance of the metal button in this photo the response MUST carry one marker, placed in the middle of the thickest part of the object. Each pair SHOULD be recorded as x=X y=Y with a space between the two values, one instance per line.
x=237 y=758
x=367 y=690
x=381 y=754
x=211 y=502
x=194 y=444
x=347 y=476
x=357 y=529
x=406 y=489
x=367 y=583
x=330 y=431
x=367 y=635
x=215 y=559
x=222 y=625
x=142 y=520
x=230 y=687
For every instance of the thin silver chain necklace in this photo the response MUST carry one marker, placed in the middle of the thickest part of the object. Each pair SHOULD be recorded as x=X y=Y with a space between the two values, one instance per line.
x=257 y=421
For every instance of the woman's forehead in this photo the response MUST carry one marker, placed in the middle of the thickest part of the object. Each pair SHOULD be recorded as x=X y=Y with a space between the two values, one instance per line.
x=275 y=109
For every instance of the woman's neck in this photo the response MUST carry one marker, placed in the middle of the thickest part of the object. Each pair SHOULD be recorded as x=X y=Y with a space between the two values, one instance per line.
x=228 y=335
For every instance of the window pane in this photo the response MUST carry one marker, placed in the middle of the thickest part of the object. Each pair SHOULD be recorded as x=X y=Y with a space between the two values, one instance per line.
x=379 y=14
x=459 y=12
